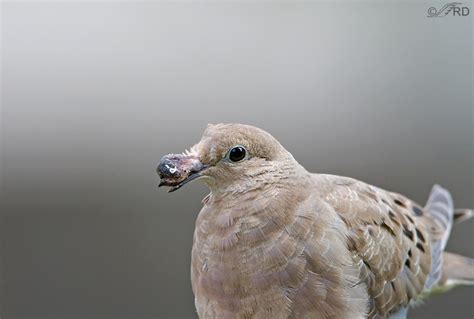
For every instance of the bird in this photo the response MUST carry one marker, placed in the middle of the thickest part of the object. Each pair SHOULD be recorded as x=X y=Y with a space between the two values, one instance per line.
x=273 y=240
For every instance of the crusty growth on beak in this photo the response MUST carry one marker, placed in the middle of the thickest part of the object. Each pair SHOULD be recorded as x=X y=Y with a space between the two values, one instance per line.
x=275 y=241
x=175 y=170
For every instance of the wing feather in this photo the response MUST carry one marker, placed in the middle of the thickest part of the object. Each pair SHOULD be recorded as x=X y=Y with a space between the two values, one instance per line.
x=388 y=237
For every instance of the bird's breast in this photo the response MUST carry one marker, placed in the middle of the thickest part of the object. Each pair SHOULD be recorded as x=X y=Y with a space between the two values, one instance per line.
x=243 y=259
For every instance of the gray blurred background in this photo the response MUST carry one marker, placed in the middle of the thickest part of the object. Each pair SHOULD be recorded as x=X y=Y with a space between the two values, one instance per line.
x=93 y=94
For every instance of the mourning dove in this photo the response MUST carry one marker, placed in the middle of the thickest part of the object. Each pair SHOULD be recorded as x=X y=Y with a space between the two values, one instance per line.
x=275 y=241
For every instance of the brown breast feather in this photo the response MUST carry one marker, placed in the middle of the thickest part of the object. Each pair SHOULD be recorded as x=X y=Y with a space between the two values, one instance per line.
x=274 y=254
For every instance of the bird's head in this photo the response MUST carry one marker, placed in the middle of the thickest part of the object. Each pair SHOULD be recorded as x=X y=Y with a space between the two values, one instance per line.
x=229 y=156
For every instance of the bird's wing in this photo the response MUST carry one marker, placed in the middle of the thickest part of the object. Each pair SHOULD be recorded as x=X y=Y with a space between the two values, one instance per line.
x=389 y=238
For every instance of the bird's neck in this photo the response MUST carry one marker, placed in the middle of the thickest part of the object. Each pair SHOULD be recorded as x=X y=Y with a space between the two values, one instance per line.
x=243 y=220
x=286 y=175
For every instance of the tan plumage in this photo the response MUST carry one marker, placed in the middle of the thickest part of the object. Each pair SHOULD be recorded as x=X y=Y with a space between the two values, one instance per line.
x=274 y=241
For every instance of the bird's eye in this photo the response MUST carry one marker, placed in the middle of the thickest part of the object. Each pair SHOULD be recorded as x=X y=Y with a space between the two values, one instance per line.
x=237 y=153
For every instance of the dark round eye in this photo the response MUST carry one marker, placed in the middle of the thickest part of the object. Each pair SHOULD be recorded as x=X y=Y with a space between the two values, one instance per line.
x=237 y=153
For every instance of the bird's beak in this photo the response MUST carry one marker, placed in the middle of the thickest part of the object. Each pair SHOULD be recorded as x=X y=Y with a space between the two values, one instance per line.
x=175 y=170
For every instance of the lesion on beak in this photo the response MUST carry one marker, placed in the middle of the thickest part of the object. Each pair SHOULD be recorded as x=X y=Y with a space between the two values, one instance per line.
x=175 y=170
